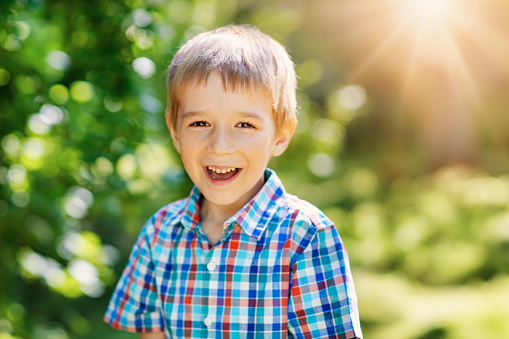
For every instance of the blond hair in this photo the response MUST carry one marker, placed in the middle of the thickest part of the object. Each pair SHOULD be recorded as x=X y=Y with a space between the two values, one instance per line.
x=244 y=57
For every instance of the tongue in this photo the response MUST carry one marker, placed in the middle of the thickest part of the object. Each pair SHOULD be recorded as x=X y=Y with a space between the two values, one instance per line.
x=222 y=176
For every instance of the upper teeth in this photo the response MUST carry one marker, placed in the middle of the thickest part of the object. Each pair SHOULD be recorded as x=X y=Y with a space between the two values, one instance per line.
x=221 y=170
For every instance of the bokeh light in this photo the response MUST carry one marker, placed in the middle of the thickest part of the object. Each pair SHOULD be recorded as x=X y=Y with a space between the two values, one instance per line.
x=82 y=91
x=142 y=18
x=5 y=77
x=59 y=94
x=58 y=60
x=77 y=202
x=144 y=67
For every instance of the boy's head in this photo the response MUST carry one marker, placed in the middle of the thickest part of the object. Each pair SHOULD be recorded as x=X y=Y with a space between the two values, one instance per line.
x=231 y=107
x=245 y=58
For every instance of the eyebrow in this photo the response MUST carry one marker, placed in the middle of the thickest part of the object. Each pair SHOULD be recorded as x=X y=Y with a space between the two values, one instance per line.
x=191 y=114
x=194 y=114
x=250 y=115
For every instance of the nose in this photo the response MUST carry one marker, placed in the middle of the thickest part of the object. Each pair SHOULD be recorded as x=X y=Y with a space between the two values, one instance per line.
x=221 y=141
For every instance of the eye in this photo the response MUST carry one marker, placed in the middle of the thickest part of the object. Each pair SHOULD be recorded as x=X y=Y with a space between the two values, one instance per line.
x=199 y=124
x=245 y=125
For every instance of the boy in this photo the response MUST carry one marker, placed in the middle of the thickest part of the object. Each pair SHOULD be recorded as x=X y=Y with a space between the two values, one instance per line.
x=239 y=257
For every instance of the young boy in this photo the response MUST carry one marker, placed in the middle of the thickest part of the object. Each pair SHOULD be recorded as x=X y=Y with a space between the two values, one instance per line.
x=239 y=257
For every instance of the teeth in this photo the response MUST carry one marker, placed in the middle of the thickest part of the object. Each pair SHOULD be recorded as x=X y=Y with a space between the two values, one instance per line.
x=221 y=170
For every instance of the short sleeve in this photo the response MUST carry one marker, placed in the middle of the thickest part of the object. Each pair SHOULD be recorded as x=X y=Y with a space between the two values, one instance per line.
x=323 y=303
x=135 y=305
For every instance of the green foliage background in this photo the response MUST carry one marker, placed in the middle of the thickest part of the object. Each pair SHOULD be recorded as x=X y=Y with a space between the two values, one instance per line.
x=85 y=159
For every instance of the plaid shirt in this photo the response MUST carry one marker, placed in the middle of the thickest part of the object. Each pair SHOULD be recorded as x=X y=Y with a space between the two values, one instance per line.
x=280 y=270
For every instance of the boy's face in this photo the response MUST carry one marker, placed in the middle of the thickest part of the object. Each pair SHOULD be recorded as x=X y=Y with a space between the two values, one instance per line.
x=225 y=139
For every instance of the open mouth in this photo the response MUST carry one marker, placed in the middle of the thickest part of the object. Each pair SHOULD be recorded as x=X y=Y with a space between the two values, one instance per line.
x=222 y=173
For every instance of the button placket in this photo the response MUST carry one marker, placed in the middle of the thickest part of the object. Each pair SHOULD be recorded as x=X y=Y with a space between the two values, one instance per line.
x=210 y=272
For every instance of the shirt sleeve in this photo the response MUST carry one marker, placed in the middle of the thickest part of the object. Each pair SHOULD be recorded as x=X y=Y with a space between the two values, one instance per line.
x=323 y=303
x=135 y=305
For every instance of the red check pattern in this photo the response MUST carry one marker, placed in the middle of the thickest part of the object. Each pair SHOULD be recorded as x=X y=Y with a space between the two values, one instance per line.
x=279 y=271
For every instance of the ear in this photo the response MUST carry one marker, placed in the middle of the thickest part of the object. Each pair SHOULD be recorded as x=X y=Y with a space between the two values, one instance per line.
x=173 y=132
x=283 y=137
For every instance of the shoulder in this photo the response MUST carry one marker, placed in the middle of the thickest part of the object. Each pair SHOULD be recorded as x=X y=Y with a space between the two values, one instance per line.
x=167 y=216
x=311 y=236
x=305 y=224
x=305 y=213
x=290 y=207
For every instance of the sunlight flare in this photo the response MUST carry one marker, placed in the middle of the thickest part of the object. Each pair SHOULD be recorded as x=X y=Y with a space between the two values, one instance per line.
x=425 y=9
x=434 y=20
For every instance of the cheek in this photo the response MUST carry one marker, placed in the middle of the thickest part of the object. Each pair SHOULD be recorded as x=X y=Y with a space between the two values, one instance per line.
x=268 y=141
x=189 y=142
x=261 y=146
x=188 y=149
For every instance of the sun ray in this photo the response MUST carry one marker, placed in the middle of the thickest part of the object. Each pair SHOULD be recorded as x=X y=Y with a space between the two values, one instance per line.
x=489 y=41
x=412 y=66
x=375 y=55
x=456 y=68
x=468 y=83
x=441 y=54
x=432 y=33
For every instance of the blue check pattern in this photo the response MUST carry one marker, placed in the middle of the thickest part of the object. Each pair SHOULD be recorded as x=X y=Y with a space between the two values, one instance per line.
x=279 y=271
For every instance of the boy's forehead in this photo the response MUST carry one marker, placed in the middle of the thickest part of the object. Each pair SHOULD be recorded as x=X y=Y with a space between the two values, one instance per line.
x=214 y=78
x=201 y=97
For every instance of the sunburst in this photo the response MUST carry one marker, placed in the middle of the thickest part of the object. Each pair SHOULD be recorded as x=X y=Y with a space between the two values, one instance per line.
x=444 y=61
x=433 y=30
x=423 y=41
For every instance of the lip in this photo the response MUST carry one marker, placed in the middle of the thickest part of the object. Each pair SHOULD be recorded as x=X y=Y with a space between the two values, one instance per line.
x=221 y=181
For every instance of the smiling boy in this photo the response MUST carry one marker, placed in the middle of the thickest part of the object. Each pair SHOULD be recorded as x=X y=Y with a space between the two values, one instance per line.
x=239 y=257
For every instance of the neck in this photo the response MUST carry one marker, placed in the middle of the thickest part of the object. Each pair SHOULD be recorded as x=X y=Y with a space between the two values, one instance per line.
x=210 y=212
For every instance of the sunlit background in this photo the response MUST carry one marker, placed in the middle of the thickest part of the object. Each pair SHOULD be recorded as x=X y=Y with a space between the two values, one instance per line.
x=402 y=141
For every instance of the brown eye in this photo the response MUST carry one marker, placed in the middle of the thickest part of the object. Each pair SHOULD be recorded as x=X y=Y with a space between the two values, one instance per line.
x=245 y=125
x=199 y=124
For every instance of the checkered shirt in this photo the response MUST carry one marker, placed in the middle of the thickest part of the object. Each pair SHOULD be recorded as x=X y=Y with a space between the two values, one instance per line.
x=279 y=271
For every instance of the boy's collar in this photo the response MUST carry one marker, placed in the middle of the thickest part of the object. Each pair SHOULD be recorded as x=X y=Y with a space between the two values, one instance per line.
x=256 y=214
x=253 y=217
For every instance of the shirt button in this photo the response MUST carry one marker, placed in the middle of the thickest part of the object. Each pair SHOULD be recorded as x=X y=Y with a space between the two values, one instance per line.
x=211 y=266
x=207 y=321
